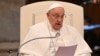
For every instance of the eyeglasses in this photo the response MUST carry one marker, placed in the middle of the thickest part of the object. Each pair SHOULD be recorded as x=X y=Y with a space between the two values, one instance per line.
x=57 y=16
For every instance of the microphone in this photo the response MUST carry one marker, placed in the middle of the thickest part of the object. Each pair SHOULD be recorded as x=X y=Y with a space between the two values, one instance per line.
x=57 y=35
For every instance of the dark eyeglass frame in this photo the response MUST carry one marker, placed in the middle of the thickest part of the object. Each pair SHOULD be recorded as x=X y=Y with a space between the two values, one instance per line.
x=57 y=16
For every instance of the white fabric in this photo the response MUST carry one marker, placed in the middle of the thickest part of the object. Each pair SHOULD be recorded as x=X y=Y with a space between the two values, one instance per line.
x=54 y=5
x=40 y=47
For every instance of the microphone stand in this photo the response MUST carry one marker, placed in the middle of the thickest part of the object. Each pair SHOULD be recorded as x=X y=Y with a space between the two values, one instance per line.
x=32 y=40
x=57 y=34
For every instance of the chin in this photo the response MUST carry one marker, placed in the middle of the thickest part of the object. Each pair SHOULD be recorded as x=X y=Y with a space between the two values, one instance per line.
x=57 y=29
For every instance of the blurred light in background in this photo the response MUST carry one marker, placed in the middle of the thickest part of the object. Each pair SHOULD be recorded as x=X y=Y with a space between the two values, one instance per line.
x=91 y=27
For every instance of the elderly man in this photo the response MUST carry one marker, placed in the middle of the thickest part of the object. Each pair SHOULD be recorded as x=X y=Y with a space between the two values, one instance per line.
x=44 y=43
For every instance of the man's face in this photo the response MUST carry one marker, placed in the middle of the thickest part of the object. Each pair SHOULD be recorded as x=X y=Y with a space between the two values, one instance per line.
x=55 y=17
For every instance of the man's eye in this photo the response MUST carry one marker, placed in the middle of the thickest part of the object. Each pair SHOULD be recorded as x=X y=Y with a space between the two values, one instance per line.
x=56 y=15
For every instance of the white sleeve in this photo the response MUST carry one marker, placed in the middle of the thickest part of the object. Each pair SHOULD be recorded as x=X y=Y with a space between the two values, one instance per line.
x=30 y=48
x=82 y=49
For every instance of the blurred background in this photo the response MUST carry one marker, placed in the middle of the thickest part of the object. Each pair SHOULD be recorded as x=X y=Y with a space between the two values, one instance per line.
x=10 y=24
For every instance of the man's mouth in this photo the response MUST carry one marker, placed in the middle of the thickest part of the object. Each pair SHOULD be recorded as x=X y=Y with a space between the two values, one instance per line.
x=58 y=24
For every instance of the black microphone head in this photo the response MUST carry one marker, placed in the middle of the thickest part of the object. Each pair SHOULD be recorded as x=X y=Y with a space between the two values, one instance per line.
x=57 y=34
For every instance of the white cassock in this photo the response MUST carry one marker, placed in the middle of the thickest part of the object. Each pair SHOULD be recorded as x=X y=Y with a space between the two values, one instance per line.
x=45 y=47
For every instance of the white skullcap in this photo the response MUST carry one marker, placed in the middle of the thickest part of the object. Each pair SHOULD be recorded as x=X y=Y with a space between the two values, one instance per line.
x=54 y=5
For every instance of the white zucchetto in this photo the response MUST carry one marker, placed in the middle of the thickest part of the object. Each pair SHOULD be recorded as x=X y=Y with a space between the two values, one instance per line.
x=54 y=5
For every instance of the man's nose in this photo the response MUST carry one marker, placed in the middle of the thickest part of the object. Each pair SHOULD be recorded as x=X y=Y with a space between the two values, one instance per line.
x=60 y=19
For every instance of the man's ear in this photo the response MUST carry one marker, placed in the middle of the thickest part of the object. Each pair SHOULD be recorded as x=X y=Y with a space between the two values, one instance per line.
x=47 y=14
